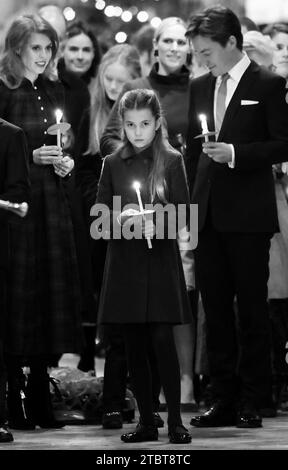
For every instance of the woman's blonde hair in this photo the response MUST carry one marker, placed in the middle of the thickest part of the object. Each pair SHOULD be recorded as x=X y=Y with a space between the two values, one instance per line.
x=167 y=23
x=125 y=55
x=12 y=68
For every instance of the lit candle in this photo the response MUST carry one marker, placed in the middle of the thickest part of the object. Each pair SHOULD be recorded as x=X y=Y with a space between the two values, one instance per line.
x=136 y=186
x=204 y=126
x=59 y=115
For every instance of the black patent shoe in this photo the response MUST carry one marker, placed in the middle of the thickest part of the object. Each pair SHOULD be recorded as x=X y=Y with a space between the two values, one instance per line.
x=179 y=435
x=158 y=421
x=112 y=420
x=217 y=416
x=5 y=435
x=142 y=433
x=248 y=417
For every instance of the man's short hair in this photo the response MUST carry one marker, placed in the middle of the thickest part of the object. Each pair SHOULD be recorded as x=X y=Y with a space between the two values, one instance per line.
x=218 y=24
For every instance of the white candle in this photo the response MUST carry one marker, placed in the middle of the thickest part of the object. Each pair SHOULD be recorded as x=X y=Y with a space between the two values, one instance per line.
x=59 y=115
x=136 y=186
x=204 y=126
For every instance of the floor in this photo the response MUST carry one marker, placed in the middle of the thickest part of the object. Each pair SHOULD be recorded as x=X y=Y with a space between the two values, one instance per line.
x=273 y=435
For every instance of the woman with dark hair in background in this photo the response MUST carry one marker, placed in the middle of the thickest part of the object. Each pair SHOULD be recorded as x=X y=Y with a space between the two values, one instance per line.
x=81 y=52
x=44 y=290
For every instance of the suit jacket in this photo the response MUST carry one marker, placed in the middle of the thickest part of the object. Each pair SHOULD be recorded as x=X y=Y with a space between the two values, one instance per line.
x=14 y=182
x=240 y=199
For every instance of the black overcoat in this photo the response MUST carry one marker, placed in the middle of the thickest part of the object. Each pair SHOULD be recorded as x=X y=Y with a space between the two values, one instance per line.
x=142 y=285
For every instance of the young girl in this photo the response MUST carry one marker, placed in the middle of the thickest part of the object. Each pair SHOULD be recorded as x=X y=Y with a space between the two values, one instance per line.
x=144 y=289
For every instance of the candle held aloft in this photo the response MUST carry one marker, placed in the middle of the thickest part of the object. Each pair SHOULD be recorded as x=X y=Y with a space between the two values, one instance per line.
x=204 y=126
x=136 y=186
x=59 y=115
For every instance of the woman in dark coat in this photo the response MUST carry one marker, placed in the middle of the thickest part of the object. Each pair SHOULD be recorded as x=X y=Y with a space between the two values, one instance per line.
x=144 y=289
x=44 y=301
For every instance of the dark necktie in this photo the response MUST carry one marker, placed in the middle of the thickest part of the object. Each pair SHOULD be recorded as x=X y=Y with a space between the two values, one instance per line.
x=220 y=102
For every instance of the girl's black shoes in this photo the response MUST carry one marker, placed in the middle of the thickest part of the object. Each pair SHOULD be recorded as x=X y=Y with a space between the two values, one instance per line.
x=179 y=435
x=142 y=433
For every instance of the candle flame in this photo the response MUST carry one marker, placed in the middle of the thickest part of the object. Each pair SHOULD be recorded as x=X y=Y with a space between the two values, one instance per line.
x=59 y=115
x=202 y=117
x=136 y=185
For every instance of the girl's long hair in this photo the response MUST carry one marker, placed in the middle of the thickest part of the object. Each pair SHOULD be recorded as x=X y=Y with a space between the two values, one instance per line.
x=125 y=55
x=147 y=99
x=12 y=69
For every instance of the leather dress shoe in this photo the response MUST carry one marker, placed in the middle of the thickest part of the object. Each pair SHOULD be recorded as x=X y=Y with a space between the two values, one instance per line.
x=112 y=420
x=142 y=433
x=217 y=416
x=5 y=435
x=179 y=435
x=248 y=417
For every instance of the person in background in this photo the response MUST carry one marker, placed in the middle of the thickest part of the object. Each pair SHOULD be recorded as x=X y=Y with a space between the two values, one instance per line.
x=143 y=40
x=169 y=78
x=81 y=52
x=149 y=295
x=278 y=281
x=14 y=187
x=43 y=319
x=231 y=180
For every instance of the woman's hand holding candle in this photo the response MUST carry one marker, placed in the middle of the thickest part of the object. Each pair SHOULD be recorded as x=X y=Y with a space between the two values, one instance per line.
x=47 y=154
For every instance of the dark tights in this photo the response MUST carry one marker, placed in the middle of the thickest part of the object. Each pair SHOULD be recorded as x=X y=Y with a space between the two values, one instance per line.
x=137 y=338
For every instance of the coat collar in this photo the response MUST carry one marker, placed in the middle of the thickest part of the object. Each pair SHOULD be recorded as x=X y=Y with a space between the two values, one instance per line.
x=127 y=152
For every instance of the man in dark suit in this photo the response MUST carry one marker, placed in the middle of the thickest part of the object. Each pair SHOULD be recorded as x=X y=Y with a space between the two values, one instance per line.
x=14 y=187
x=231 y=181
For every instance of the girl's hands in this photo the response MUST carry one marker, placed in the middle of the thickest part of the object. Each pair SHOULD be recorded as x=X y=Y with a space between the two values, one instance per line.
x=64 y=167
x=135 y=217
x=47 y=155
x=129 y=214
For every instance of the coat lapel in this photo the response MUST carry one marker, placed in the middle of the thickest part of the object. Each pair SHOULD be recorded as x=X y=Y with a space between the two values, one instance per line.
x=240 y=92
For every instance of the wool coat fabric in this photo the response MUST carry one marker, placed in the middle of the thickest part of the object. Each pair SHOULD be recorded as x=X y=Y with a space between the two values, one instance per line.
x=142 y=285
x=44 y=294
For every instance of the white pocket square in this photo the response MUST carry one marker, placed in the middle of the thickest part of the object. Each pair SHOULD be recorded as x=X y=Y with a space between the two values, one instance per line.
x=248 y=102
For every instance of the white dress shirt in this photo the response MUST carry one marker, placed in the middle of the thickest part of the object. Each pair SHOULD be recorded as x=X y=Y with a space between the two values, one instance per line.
x=235 y=75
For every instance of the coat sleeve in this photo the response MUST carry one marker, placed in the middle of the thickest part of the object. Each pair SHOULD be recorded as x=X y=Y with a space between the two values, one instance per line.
x=256 y=155
x=16 y=183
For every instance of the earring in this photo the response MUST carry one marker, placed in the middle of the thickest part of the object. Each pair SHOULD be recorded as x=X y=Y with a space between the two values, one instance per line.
x=156 y=53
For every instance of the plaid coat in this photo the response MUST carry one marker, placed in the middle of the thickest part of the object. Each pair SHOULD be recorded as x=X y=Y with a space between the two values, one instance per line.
x=43 y=297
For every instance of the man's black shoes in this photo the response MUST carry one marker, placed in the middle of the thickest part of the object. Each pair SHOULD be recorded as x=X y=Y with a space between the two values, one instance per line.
x=248 y=417
x=217 y=416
